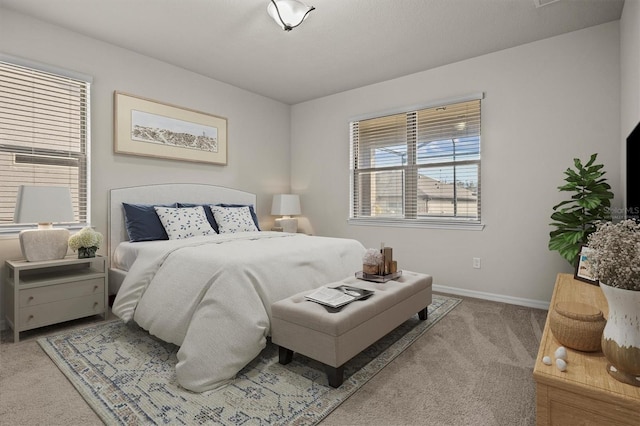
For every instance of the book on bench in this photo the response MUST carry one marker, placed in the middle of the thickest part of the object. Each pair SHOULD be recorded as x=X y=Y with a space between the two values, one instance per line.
x=336 y=297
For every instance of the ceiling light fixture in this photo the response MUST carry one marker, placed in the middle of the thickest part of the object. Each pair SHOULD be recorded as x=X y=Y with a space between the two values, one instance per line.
x=288 y=13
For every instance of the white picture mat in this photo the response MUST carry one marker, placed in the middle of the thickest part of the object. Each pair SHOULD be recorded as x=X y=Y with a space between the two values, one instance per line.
x=124 y=143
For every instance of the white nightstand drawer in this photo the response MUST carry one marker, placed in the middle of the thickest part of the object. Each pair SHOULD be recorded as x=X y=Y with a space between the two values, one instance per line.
x=40 y=295
x=63 y=310
x=47 y=292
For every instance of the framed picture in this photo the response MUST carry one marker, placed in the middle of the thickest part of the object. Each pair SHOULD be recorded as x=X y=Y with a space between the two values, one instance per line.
x=155 y=129
x=583 y=270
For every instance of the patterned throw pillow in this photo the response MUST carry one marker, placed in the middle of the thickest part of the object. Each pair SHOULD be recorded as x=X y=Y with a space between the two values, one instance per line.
x=251 y=210
x=233 y=219
x=184 y=222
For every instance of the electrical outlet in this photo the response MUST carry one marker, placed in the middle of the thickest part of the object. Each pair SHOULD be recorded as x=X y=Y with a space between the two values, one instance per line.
x=476 y=262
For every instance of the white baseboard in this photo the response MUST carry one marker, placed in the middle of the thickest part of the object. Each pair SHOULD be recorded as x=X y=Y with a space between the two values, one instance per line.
x=530 y=303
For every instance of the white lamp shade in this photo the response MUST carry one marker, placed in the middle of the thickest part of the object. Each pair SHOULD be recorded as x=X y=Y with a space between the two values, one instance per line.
x=292 y=12
x=43 y=204
x=285 y=204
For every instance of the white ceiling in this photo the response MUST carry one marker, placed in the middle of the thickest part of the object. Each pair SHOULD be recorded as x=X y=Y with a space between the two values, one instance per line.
x=342 y=45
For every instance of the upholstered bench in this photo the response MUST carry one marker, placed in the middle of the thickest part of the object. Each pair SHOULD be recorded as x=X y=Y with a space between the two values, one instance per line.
x=333 y=338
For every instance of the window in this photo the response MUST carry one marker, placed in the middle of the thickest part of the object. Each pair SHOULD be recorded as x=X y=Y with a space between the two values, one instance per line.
x=418 y=167
x=44 y=135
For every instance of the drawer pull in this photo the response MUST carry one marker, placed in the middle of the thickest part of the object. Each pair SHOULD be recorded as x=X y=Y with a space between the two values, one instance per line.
x=95 y=304
x=30 y=318
x=30 y=299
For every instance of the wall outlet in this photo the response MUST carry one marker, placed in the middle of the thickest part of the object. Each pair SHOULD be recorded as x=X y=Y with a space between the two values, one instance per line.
x=476 y=262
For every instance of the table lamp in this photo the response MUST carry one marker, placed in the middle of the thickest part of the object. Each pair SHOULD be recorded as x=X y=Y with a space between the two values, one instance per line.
x=43 y=205
x=286 y=205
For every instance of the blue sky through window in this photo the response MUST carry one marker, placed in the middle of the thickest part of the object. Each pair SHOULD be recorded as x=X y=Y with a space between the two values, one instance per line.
x=434 y=152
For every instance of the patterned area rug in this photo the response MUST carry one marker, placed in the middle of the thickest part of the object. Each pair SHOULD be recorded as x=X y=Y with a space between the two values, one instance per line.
x=128 y=377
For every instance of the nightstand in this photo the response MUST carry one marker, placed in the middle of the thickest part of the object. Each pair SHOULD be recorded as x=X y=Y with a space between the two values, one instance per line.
x=53 y=291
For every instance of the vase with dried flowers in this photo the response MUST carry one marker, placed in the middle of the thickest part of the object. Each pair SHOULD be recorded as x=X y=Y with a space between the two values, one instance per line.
x=615 y=263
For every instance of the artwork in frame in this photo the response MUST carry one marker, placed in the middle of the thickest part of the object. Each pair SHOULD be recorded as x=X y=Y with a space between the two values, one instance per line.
x=583 y=270
x=155 y=129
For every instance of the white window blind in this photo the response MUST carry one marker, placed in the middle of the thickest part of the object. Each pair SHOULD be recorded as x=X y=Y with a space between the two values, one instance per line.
x=44 y=137
x=418 y=166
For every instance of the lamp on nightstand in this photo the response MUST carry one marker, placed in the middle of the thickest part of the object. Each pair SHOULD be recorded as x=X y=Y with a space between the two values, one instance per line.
x=43 y=205
x=286 y=205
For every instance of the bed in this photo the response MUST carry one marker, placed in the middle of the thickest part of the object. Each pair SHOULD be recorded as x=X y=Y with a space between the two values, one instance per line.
x=211 y=294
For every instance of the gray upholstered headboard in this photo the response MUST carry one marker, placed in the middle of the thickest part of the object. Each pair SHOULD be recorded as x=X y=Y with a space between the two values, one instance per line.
x=163 y=194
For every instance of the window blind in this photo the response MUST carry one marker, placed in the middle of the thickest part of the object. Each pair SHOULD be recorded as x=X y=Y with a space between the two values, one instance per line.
x=44 y=136
x=418 y=165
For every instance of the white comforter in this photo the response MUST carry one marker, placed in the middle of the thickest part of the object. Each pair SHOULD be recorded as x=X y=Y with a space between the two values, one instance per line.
x=212 y=296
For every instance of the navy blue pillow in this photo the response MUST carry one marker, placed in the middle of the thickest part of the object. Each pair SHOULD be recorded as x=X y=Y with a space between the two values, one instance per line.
x=142 y=222
x=251 y=210
x=207 y=212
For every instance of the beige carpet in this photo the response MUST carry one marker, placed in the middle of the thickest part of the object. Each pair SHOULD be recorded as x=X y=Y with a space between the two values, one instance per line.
x=473 y=368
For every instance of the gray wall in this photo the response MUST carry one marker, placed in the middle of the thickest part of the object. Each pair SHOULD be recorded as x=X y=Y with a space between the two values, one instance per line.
x=258 y=138
x=545 y=103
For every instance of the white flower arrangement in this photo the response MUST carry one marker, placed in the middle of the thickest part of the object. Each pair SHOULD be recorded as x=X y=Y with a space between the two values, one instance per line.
x=615 y=259
x=371 y=261
x=87 y=238
x=372 y=257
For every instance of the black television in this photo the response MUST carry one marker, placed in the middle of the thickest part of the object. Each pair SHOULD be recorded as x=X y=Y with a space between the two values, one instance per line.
x=633 y=175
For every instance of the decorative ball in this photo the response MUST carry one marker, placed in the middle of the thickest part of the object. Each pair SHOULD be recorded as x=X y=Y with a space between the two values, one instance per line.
x=561 y=364
x=546 y=360
x=561 y=353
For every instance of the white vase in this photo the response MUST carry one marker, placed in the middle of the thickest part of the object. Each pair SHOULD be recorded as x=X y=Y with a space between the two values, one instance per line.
x=621 y=335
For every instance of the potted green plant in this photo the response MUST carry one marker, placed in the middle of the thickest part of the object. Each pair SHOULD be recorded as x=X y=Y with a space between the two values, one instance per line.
x=614 y=260
x=576 y=218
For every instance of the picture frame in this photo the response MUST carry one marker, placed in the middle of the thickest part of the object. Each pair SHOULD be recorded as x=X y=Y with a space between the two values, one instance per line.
x=583 y=272
x=150 y=128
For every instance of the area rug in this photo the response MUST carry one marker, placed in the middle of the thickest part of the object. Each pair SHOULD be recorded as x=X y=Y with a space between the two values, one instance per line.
x=128 y=377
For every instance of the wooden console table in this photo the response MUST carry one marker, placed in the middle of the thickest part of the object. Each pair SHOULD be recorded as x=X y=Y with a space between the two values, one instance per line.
x=585 y=394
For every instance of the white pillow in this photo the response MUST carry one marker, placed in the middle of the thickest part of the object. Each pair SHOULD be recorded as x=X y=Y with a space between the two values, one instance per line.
x=233 y=219
x=184 y=222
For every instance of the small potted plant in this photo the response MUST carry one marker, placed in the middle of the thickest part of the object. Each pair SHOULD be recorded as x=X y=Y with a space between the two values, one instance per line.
x=615 y=262
x=86 y=242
